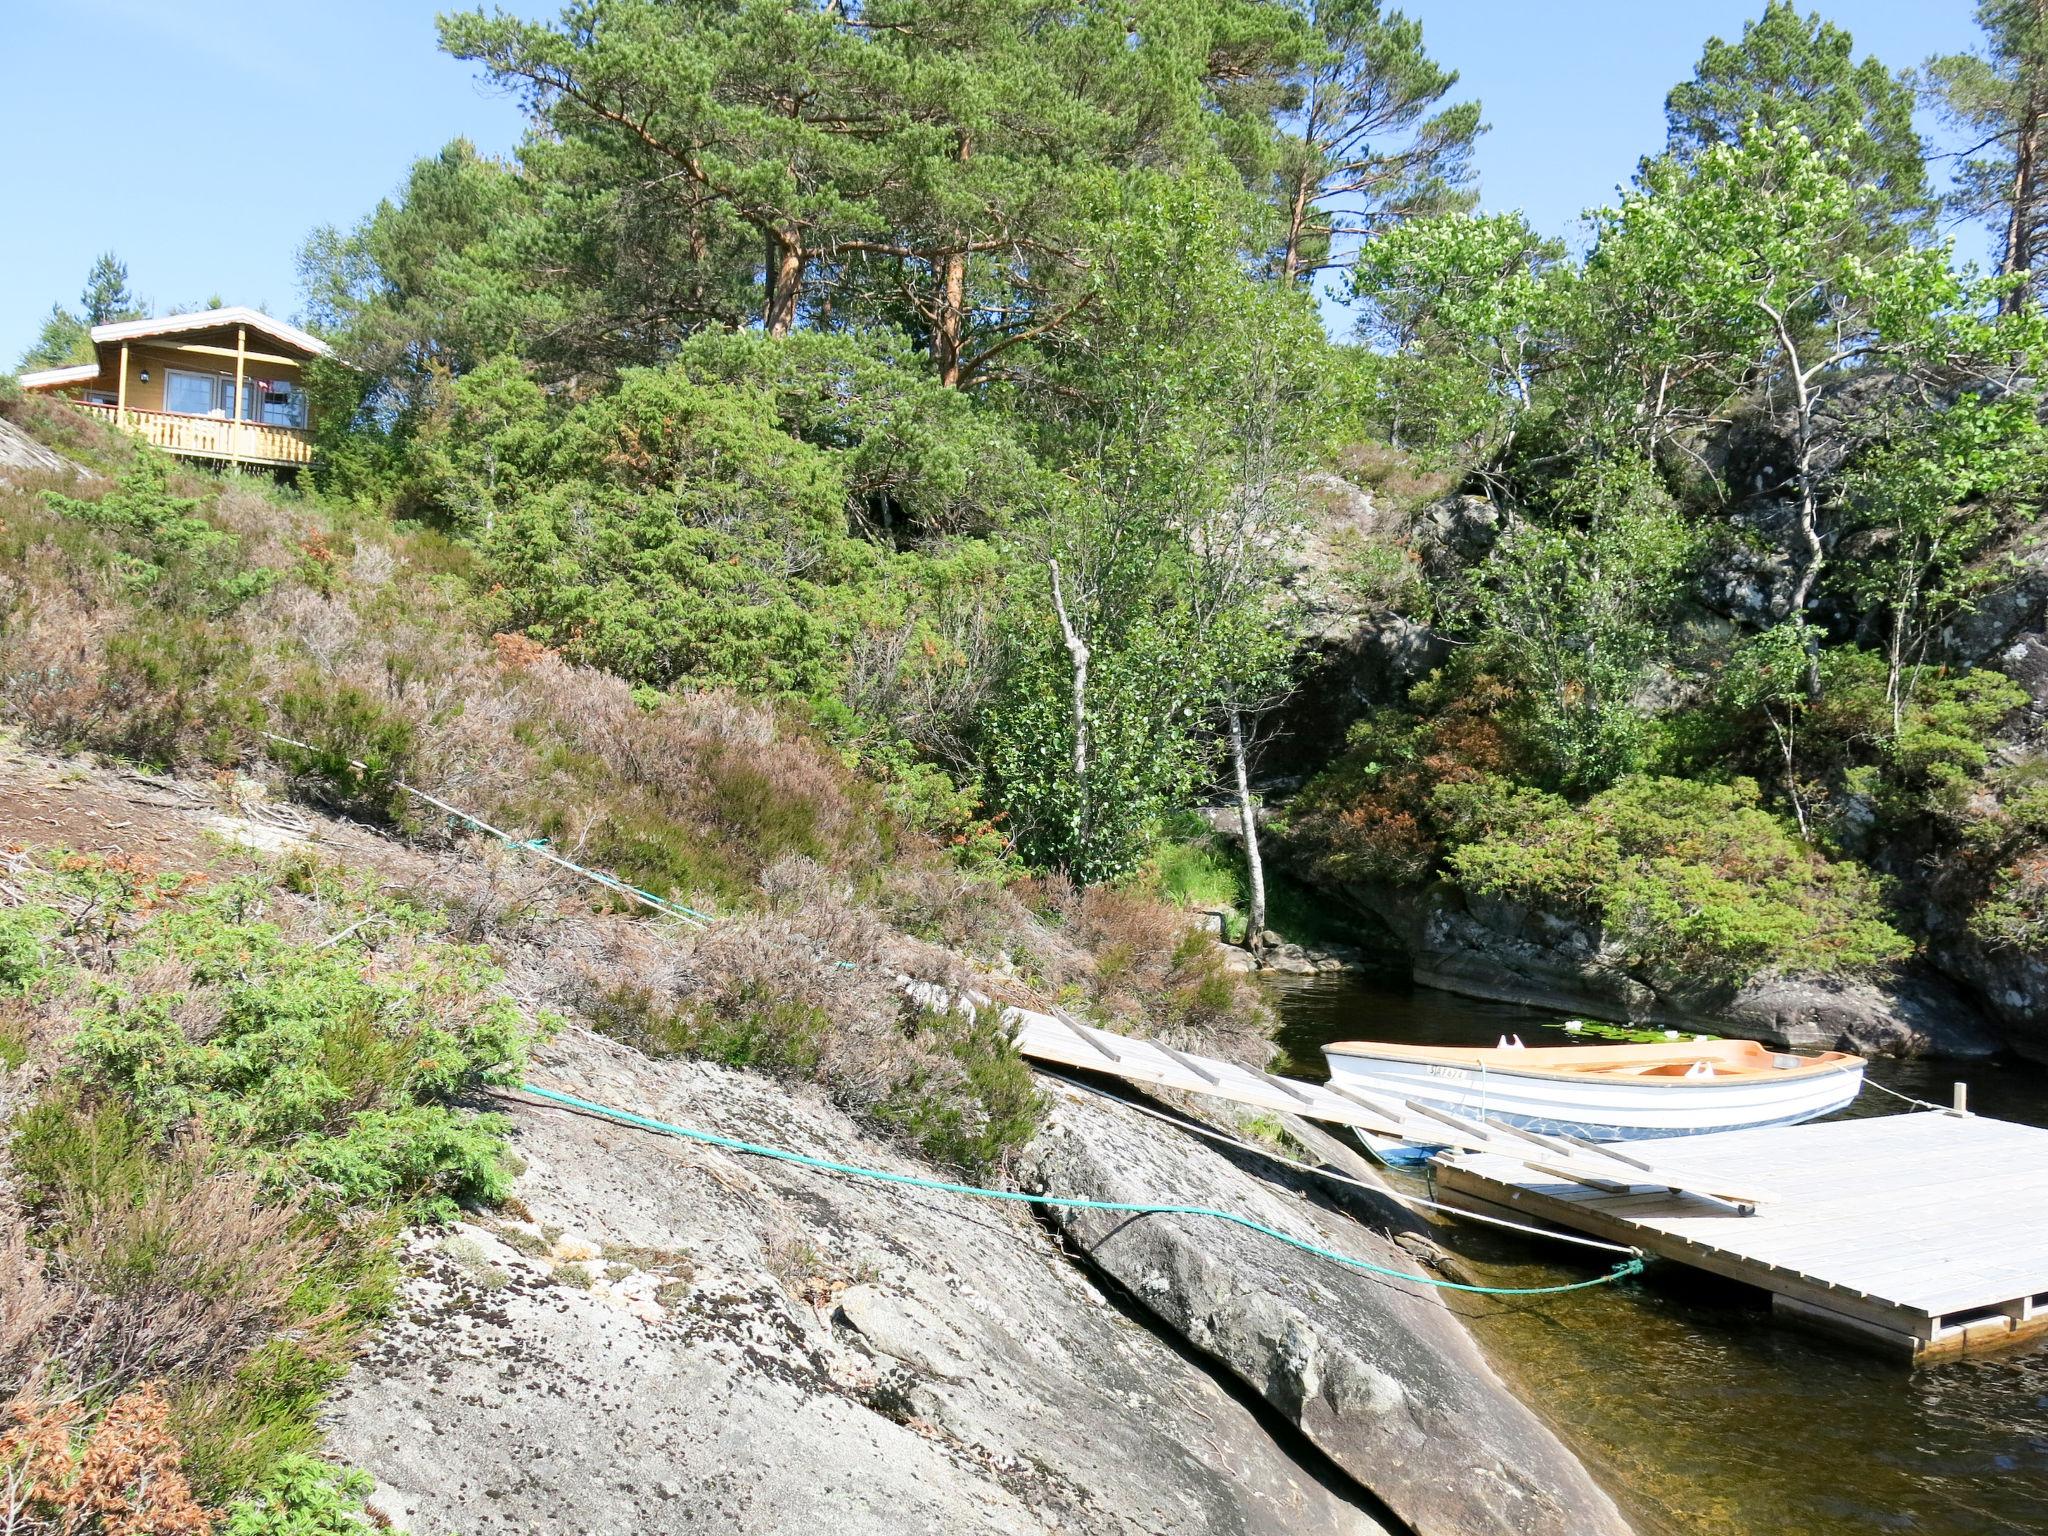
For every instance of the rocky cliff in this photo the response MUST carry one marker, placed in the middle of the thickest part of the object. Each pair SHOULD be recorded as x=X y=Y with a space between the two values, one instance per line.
x=1960 y=996
x=668 y=1336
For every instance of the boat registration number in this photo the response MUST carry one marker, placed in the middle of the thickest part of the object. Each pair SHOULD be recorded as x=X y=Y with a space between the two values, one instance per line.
x=1453 y=1074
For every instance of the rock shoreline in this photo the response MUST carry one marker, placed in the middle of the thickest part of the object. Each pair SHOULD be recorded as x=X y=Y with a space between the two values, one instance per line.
x=663 y=1336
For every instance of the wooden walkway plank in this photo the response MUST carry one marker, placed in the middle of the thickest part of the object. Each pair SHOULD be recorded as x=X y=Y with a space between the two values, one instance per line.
x=1912 y=1229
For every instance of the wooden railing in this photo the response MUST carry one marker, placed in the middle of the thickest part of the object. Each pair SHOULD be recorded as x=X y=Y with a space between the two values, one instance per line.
x=209 y=437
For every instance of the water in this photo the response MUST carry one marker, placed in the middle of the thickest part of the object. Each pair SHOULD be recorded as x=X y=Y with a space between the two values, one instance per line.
x=1694 y=1410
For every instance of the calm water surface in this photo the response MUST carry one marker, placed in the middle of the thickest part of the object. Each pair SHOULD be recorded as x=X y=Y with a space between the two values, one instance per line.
x=1693 y=1409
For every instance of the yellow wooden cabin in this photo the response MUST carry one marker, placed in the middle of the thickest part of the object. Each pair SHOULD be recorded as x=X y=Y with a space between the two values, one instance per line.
x=222 y=384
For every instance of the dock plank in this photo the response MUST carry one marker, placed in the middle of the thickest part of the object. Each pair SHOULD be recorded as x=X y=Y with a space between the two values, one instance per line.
x=1893 y=1222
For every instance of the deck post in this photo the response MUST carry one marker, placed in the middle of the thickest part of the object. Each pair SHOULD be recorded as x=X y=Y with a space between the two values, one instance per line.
x=1962 y=1101
x=121 y=391
x=241 y=367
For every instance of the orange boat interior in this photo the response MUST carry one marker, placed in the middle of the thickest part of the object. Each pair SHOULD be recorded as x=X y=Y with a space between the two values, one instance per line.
x=1664 y=1061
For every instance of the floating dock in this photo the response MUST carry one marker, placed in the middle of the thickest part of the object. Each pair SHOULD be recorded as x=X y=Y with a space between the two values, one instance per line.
x=1924 y=1234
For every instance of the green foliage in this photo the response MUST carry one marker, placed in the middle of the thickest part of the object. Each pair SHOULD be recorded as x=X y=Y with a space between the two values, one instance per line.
x=1461 y=305
x=1145 y=597
x=106 y=297
x=1692 y=883
x=1993 y=97
x=63 y=342
x=24 y=948
x=316 y=1072
x=1574 y=605
x=1799 y=71
x=242 y=1120
x=66 y=338
x=1376 y=144
x=1861 y=754
x=980 y=1114
x=1194 y=872
x=179 y=559
x=302 y=1496
x=356 y=748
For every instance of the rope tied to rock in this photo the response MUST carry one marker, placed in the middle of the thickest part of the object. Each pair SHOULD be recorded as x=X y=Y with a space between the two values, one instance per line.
x=537 y=845
x=1621 y=1271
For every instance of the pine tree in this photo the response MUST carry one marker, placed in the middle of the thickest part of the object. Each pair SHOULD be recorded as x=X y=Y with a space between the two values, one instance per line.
x=106 y=297
x=1793 y=71
x=2000 y=97
x=1369 y=151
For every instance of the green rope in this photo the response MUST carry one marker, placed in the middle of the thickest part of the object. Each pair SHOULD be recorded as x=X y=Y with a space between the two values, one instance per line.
x=1621 y=1271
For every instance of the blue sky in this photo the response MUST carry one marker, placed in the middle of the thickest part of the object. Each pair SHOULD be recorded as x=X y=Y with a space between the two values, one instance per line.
x=322 y=106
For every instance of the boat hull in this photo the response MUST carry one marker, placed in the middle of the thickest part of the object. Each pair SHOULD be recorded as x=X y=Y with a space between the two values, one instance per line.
x=1597 y=1109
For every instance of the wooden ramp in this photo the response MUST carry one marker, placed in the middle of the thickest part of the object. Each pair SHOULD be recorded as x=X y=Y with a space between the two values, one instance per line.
x=1057 y=1040
x=1923 y=1233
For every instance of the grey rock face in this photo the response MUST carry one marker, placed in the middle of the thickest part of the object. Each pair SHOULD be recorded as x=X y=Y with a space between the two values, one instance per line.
x=1501 y=950
x=684 y=1339
x=1376 y=1372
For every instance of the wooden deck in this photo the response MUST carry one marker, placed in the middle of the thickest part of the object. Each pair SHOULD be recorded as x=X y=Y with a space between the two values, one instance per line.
x=209 y=437
x=1925 y=1234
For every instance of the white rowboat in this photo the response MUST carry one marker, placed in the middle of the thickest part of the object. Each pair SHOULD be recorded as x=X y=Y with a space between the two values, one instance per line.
x=1606 y=1092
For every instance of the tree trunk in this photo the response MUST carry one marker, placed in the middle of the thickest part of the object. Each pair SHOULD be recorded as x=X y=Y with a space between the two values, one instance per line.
x=1255 y=864
x=951 y=318
x=1077 y=649
x=2022 y=219
x=1809 y=497
x=1297 y=221
x=1809 y=571
x=2019 y=255
x=784 y=272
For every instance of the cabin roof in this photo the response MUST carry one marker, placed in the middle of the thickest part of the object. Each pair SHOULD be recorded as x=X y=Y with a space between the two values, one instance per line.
x=56 y=378
x=211 y=319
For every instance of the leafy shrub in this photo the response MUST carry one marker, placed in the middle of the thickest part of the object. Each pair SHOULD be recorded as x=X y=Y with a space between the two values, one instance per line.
x=359 y=746
x=772 y=994
x=302 y=1496
x=1369 y=815
x=162 y=546
x=25 y=948
x=302 y=1062
x=206 y=1195
x=972 y=1117
x=1694 y=883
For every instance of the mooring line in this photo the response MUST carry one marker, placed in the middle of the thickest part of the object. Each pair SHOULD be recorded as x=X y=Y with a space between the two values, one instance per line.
x=1621 y=1271
x=1340 y=1178
x=537 y=845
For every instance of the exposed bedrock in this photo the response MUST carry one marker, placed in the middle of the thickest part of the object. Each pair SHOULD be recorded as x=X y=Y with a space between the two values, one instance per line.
x=687 y=1339
x=1376 y=1372
x=684 y=1339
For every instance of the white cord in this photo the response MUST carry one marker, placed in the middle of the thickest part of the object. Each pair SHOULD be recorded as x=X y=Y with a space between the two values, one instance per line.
x=1922 y=1103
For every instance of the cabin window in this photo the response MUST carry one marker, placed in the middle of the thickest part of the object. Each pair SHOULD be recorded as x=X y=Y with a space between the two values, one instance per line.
x=280 y=403
x=196 y=394
x=273 y=402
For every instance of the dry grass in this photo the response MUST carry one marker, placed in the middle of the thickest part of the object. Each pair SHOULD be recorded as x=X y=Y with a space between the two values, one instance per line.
x=364 y=647
x=1151 y=969
x=1389 y=472
x=166 y=1271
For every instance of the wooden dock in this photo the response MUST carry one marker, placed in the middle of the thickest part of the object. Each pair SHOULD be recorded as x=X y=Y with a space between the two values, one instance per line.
x=1925 y=1234
x=1057 y=1040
